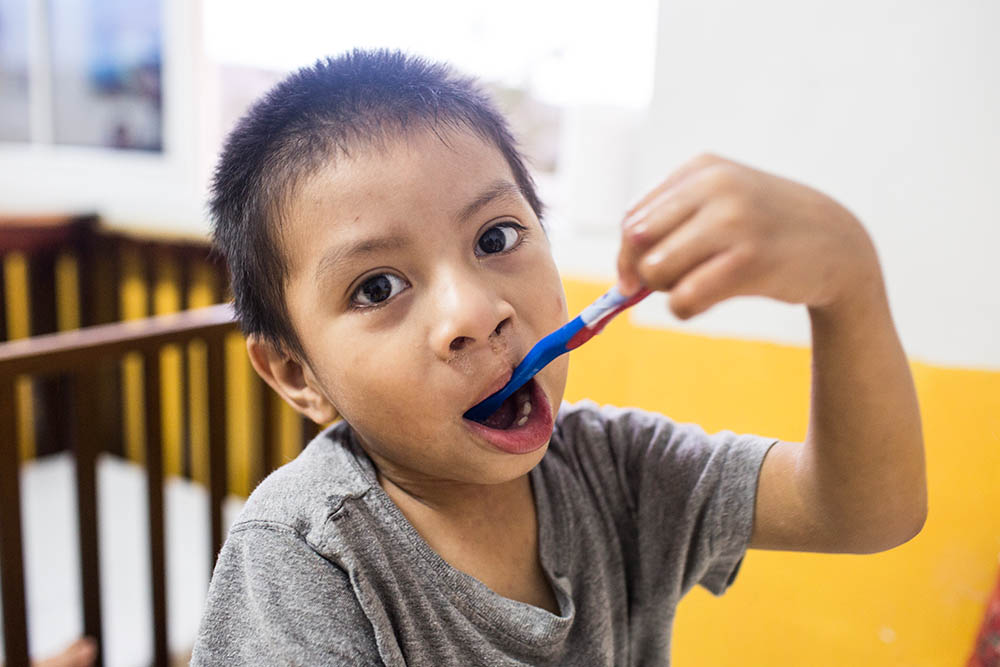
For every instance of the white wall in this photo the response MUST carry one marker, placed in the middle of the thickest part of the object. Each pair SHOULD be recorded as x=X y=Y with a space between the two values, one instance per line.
x=891 y=107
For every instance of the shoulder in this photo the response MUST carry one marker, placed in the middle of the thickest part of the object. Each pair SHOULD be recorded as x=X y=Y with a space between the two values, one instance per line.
x=587 y=423
x=300 y=496
x=274 y=600
x=587 y=414
x=646 y=452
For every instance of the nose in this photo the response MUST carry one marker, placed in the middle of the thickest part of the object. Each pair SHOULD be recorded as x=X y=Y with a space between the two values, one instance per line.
x=467 y=313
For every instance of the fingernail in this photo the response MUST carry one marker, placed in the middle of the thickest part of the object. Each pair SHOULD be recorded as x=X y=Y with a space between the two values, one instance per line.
x=637 y=229
x=634 y=219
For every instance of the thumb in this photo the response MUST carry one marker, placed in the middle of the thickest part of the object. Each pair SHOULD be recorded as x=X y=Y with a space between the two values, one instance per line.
x=629 y=281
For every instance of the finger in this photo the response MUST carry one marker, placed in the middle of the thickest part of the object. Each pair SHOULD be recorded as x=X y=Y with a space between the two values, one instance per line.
x=690 y=244
x=677 y=176
x=671 y=209
x=81 y=653
x=722 y=276
x=665 y=213
x=629 y=281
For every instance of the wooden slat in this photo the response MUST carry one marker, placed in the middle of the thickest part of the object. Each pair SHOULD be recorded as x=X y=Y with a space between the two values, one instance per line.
x=98 y=271
x=86 y=504
x=15 y=627
x=86 y=347
x=154 y=490
x=50 y=397
x=42 y=292
x=217 y=445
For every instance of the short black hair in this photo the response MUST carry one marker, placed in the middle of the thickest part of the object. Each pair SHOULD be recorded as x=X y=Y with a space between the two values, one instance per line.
x=357 y=100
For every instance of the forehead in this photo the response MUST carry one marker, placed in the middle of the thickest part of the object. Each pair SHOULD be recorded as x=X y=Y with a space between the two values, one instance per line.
x=421 y=177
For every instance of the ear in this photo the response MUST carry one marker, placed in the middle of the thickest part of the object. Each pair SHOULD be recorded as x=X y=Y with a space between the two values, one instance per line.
x=293 y=380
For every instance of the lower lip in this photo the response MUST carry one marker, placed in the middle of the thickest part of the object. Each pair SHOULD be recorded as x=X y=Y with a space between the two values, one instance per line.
x=521 y=439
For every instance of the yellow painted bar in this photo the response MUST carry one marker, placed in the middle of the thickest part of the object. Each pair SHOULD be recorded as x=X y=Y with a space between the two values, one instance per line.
x=198 y=410
x=18 y=304
x=67 y=292
x=242 y=408
x=201 y=293
x=133 y=297
x=917 y=605
x=290 y=423
x=167 y=299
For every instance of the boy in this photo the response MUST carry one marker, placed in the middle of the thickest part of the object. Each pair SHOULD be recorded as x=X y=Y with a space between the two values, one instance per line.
x=389 y=267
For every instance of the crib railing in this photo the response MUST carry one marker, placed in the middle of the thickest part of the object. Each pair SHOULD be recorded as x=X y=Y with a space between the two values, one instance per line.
x=78 y=355
x=63 y=272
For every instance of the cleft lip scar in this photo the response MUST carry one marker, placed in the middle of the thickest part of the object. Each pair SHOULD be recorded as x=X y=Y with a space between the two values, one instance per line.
x=494 y=388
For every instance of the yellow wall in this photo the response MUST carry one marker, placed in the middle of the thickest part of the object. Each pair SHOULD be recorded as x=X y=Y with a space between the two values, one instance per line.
x=919 y=604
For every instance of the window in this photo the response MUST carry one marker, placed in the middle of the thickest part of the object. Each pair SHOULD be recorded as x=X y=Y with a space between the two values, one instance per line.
x=14 y=100
x=83 y=72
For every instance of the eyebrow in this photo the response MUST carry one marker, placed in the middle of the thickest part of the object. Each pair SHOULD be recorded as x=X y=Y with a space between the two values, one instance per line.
x=499 y=189
x=355 y=249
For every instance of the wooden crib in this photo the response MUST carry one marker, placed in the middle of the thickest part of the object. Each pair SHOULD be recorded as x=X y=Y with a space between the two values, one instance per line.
x=76 y=377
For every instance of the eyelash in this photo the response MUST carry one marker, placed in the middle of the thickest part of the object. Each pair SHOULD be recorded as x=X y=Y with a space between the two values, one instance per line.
x=354 y=305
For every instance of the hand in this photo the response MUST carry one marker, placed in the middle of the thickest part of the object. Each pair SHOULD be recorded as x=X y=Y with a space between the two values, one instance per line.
x=717 y=229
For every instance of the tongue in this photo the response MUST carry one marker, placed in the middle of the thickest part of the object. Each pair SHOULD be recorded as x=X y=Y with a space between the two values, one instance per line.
x=505 y=415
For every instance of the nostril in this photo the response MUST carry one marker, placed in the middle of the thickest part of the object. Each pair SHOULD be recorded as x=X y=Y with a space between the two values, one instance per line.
x=459 y=342
x=501 y=326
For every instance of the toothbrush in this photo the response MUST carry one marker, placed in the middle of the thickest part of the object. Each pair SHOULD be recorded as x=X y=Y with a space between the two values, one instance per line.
x=567 y=337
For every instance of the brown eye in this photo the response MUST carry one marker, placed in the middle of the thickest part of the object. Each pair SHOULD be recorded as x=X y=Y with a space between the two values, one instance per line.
x=498 y=239
x=377 y=289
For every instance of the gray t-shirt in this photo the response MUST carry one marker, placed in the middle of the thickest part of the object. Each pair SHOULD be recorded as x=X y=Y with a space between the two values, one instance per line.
x=322 y=568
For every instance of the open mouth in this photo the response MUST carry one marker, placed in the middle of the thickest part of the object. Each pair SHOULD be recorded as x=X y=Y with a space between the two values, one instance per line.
x=522 y=423
x=514 y=411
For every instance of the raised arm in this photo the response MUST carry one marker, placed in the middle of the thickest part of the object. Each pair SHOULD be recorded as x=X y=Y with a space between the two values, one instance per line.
x=716 y=229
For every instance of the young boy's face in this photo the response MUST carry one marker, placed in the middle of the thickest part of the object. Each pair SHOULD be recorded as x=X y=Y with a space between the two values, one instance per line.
x=419 y=277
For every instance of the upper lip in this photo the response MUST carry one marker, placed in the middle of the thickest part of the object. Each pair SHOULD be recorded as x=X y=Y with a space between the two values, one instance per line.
x=501 y=380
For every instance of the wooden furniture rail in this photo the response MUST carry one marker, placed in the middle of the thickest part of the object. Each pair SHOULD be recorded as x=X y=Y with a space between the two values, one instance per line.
x=79 y=353
x=63 y=272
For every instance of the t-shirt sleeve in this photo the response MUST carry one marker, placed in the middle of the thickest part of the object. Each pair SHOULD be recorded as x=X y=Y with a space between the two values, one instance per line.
x=274 y=600
x=686 y=498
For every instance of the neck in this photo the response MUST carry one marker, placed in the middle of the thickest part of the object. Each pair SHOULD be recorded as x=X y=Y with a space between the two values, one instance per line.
x=490 y=532
x=455 y=502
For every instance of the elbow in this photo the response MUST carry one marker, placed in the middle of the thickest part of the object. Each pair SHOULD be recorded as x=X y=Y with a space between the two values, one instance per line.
x=915 y=524
x=891 y=533
x=912 y=522
x=900 y=518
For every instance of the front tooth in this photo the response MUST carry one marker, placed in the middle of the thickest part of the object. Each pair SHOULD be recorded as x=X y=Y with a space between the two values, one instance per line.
x=522 y=421
x=526 y=408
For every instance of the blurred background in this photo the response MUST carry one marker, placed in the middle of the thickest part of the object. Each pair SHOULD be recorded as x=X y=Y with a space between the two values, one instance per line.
x=112 y=113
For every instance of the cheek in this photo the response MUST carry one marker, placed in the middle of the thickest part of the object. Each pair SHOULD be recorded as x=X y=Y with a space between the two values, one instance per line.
x=545 y=275
x=377 y=383
x=558 y=298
